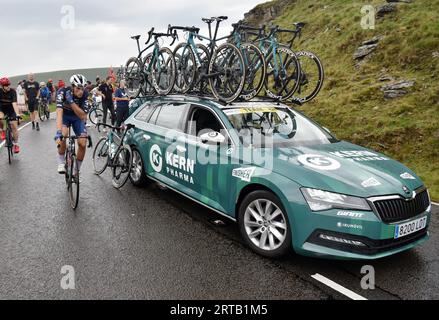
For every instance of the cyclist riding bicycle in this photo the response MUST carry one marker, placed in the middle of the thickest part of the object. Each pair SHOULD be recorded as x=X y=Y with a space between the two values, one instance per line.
x=72 y=112
x=45 y=93
x=9 y=108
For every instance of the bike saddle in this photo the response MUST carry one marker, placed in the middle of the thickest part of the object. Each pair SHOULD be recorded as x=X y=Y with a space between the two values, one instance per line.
x=299 y=24
x=206 y=20
x=220 y=18
x=136 y=37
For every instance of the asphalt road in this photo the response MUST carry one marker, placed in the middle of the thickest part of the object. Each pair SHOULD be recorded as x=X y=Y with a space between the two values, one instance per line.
x=154 y=244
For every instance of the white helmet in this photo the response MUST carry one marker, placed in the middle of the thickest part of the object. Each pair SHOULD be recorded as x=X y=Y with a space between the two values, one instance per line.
x=78 y=80
x=42 y=84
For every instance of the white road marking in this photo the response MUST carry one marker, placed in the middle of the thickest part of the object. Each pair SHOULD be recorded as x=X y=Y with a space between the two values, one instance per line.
x=333 y=285
x=436 y=204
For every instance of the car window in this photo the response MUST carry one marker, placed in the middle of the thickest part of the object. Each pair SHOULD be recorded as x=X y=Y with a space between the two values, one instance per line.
x=172 y=116
x=203 y=121
x=154 y=115
x=144 y=114
x=259 y=126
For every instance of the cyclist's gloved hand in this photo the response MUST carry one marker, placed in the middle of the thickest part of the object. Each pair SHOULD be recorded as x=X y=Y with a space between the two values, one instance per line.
x=58 y=135
x=69 y=97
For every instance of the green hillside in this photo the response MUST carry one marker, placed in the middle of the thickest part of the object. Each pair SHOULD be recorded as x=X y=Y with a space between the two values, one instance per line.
x=352 y=103
x=90 y=74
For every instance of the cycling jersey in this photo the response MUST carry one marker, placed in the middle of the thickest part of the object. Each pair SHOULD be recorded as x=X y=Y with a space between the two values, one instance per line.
x=65 y=99
x=7 y=98
x=45 y=93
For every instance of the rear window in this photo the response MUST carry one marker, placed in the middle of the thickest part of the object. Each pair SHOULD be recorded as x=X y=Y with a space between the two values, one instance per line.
x=146 y=111
x=171 y=116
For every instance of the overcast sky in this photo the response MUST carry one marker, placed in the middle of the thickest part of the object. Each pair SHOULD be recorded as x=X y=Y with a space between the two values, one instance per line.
x=37 y=36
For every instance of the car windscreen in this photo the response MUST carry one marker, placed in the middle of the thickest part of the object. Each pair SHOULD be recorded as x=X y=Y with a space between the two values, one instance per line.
x=265 y=126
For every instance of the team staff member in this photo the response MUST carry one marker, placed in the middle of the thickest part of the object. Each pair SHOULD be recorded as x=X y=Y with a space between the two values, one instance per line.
x=32 y=94
x=9 y=107
x=106 y=91
x=122 y=101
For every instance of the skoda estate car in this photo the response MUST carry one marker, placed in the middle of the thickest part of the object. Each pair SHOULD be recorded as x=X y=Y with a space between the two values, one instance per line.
x=287 y=181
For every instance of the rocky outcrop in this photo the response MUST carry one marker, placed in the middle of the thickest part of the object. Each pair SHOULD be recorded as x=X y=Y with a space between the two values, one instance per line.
x=366 y=48
x=397 y=89
x=266 y=12
x=385 y=9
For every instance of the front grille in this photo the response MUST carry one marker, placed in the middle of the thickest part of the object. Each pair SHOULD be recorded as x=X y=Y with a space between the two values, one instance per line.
x=399 y=209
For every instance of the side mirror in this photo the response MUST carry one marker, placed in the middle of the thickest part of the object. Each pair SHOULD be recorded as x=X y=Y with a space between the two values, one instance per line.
x=212 y=138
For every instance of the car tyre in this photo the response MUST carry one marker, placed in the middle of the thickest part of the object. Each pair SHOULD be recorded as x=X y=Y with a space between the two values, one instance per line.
x=138 y=176
x=266 y=231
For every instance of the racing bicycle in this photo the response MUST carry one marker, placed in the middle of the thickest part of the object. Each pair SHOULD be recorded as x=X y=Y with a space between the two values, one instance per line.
x=223 y=66
x=9 y=142
x=155 y=72
x=43 y=109
x=109 y=154
x=71 y=168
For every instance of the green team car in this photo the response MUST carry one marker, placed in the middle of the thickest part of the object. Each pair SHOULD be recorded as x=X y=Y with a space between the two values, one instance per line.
x=288 y=182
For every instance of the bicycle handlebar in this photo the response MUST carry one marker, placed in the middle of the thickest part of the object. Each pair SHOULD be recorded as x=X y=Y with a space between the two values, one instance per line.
x=172 y=29
x=150 y=32
x=128 y=126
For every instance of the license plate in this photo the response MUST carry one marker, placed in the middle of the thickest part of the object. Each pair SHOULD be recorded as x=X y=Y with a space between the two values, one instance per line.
x=405 y=229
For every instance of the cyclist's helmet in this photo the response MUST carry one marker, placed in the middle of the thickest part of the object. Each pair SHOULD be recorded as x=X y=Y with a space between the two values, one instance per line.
x=5 y=82
x=42 y=84
x=78 y=80
x=50 y=80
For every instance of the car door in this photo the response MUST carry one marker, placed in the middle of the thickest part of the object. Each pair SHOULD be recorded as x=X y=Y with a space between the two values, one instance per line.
x=212 y=160
x=167 y=161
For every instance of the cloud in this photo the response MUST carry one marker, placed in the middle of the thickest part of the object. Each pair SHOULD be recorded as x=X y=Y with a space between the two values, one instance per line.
x=36 y=41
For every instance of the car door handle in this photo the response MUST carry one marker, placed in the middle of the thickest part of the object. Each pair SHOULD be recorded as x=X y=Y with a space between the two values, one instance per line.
x=181 y=149
x=146 y=137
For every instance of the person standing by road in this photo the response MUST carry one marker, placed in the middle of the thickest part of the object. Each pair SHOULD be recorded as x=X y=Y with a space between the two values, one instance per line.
x=9 y=107
x=21 y=101
x=122 y=101
x=52 y=90
x=32 y=94
x=106 y=91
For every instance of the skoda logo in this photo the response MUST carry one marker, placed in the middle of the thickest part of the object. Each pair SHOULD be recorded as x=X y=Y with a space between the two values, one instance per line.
x=406 y=190
x=155 y=158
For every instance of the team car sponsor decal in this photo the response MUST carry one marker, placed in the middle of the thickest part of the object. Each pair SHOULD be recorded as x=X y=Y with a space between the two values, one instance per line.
x=319 y=162
x=407 y=176
x=177 y=166
x=231 y=112
x=245 y=174
x=372 y=182
x=156 y=159
x=350 y=214
x=359 y=155
x=349 y=226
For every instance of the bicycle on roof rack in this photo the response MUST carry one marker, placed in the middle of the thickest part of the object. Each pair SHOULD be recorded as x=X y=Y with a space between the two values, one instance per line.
x=222 y=66
x=155 y=73
x=283 y=67
x=312 y=73
x=254 y=60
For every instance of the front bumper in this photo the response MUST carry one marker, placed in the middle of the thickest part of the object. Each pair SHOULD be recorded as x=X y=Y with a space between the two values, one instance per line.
x=363 y=237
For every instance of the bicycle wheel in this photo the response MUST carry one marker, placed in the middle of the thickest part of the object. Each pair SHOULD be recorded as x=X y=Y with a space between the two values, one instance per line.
x=312 y=76
x=147 y=87
x=100 y=156
x=202 y=85
x=95 y=115
x=283 y=71
x=255 y=70
x=186 y=68
x=47 y=112
x=133 y=77
x=227 y=73
x=41 y=111
x=73 y=182
x=163 y=71
x=123 y=162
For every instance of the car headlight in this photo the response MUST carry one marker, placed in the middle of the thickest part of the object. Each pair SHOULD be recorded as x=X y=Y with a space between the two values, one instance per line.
x=319 y=200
